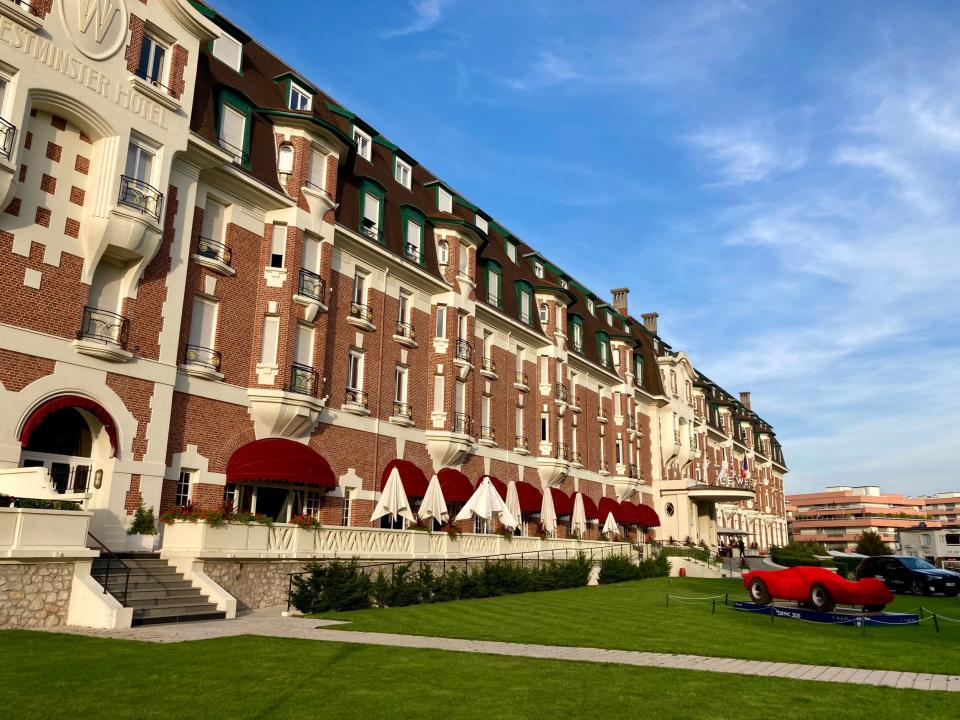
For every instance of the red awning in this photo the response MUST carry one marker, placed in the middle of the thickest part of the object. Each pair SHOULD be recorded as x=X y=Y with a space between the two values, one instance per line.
x=282 y=461
x=412 y=477
x=531 y=499
x=590 y=508
x=455 y=485
x=608 y=505
x=648 y=516
x=497 y=483
x=62 y=402
x=562 y=504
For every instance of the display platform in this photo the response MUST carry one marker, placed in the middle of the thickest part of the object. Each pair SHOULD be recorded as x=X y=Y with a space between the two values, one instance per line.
x=839 y=616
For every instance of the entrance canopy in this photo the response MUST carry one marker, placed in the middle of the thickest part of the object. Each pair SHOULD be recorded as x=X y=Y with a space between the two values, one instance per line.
x=62 y=402
x=280 y=460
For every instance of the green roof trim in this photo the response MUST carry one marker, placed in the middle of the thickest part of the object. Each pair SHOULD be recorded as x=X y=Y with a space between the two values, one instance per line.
x=381 y=140
x=499 y=229
x=203 y=9
x=333 y=107
x=466 y=203
x=319 y=122
x=456 y=221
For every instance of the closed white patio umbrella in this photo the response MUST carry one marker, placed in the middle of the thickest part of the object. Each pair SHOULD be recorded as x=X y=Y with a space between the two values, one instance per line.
x=487 y=503
x=548 y=516
x=578 y=520
x=393 y=500
x=610 y=525
x=433 y=505
x=513 y=501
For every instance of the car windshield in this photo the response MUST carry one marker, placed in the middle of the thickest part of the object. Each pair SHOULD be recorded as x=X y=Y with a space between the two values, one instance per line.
x=917 y=564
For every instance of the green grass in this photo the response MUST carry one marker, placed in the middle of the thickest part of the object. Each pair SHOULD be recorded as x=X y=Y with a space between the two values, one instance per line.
x=64 y=676
x=634 y=616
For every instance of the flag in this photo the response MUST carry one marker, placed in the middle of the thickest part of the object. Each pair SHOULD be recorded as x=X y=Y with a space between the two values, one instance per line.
x=722 y=475
x=744 y=469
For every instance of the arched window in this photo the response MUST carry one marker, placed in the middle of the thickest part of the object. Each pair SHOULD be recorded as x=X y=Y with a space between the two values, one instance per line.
x=544 y=314
x=285 y=159
x=443 y=252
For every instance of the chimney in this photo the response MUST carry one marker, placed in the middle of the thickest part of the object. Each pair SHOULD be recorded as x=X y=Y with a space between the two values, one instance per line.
x=650 y=322
x=745 y=399
x=620 y=300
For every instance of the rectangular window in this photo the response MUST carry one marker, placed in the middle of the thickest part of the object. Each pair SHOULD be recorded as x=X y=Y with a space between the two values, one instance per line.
x=438 y=390
x=363 y=143
x=493 y=287
x=153 y=57
x=444 y=200
x=485 y=411
x=519 y=422
x=487 y=345
x=182 y=497
x=278 y=246
x=228 y=50
x=403 y=307
x=346 y=508
x=544 y=314
x=203 y=323
x=525 y=306
x=441 y=321
x=590 y=305
x=401 y=172
x=619 y=451
x=271 y=331
x=538 y=269
x=511 y=251
x=371 y=215
x=464 y=257
x=311 y=504
x=310 y=259
x=604 y=357
x=544 y=428
x=304 y=349
x=233 y=125
x=139 y=162
x=214 y=215
x=564 y=284
x=460 y=396
x=400 y=384
x=318 y=169
x=482 y=223
x=355 y=370
x=578 y=337
x=360 y=287
x=300 y=99
x=414 y=240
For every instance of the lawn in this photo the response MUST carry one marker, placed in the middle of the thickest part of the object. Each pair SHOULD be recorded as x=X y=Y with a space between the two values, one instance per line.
x=65 y=676
x=634 y=616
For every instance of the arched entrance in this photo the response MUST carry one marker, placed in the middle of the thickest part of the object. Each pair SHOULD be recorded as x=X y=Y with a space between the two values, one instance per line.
x=70 y=436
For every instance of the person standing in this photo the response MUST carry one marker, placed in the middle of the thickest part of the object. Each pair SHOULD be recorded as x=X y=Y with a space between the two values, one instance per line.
x=741 y=547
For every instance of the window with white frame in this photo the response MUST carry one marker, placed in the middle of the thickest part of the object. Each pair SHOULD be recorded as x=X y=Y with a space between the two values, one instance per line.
x=511 y=251
x=363 y=142
x=414 y=240
x=400 y=378
x=481 y=223
x=371 y=215
x=228 y=50
x=525 y=301
x=590 y=305
x=278 y=246
x=618 y=448
x=303 y=352
x=401 y=172
x=153 y=61
x=578 y=336
x=404 y=304
x=182 y=494
x=311 y=504
x=441 y=329
x=318 y=169
x=300 y=99
x=443 y=253
x=544 y=314
x=203 y=325
x=345 y=519
x=139 y=162
x=444 y=200
x=268 y=346
x=604 y=353
x=544 y=427
x=355 y=370
x=564 y=284
x=360 y=279
x=233 y=127
x=310 y=259
x=214 y=215
x=538 y=269
x=493 y=284
x=230 y=497
x=285 y=159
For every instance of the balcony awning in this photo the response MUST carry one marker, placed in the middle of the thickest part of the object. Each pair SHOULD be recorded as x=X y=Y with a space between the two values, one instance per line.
x=455 y=485
x=531 y=499
x=608 y=505
x=497 y=483
x=590 y=508
x=412 y=477
x=562 y=503
x=281 y=461
x=62 y=402
x=648 y=516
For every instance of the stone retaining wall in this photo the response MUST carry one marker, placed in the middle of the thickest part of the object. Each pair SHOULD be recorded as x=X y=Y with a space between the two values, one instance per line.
x=35 y=594
x=254 y=583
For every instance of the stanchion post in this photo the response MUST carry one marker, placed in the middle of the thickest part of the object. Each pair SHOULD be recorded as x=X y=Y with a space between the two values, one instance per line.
x=936 y=623
x=726 y=598
x=668 y=599
x=713 y=603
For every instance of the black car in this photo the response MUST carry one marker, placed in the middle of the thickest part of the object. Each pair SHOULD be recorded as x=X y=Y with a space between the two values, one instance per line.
x=902 y=573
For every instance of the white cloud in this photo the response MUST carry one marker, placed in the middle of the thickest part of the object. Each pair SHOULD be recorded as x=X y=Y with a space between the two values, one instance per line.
x=427 y=13
x=743 y=155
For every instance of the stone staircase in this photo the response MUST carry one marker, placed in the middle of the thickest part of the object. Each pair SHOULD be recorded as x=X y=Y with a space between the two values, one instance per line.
x=155 y=590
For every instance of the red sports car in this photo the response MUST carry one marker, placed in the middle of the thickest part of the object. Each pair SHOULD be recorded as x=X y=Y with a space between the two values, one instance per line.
x=822 y=589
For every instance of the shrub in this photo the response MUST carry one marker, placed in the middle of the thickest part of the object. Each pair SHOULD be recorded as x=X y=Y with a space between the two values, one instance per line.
x=144 y=523
x=338 y=585
x=870 y=543
x=620 y=568
x=36 y=504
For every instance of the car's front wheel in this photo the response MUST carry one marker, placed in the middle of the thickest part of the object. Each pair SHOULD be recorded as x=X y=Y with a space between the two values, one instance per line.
x=821 y=599
x=759 y=592
x=918 y=588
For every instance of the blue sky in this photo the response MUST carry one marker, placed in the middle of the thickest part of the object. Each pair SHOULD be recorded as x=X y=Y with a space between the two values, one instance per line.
x=777 y=179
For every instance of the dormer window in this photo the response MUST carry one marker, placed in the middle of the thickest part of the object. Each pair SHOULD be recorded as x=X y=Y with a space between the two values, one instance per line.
x=609 y=318
x=300 y=99
x=493 y=283
x=228 y=50
x=285 y=159
x=525 y=303
x=482 y=223
x=153 y=61
x=576 y=323
x=511 y=251
x=590 y=305
x=538 y=269
x=444 y=200
x=564 y=284
x=363 y=143
x=603 y=347
x=401 y=172
x=413 y=224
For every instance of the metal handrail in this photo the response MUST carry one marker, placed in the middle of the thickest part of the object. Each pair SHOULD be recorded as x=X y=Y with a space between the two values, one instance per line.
x=303 y=379
x=207 y=357
x=152 y=81
x=487 y=433
x=239 y=154
x=8 y=133
x=374 y=233
x=361 y=312
x=561 y=453
x=215 y=250
x=104 y=326
x=141 y=196
x=561 y=392
x=405 y=330
x=402 y=409
x=461 y=423
x=357 y=397
x=412 y=253
x=521 y=379
x=316 y=188
x=521 y=442
x=112 y=557
x=311 y=285
x=488 y=364
x=463 y=351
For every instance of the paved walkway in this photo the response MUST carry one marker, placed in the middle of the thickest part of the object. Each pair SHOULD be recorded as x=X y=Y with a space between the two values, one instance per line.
x=270 y=623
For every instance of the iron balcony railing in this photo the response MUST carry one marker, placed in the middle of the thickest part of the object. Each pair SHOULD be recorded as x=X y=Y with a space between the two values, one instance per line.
x=371 y=231
x=576 y=458
x=412 y=253
x=8 y=133
x=631 y=423
x=361 y=312
x=304 y=380
x=560 y=392
x=209 y=248
x=141 y=196
x=574 y=400
x=239 y=154
x=311 y=285
x=521 y=379
x=146 y=77
x=463 y=350
x=602 y=413
x=562 y=453
x=405 y=330
x=488 y=364
x=317 y=189
x=520 y=442
x=67 y=478
x=632 y=471
x=203 y=356
x=461 y=423
x=104 y=326
x=356 y=397
x=402 y=409
x=487 y=433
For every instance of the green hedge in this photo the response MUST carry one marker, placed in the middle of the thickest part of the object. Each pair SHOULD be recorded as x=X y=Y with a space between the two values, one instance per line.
x=620 y=568
x=794 y=559
x=697 y=553
x=34 y=504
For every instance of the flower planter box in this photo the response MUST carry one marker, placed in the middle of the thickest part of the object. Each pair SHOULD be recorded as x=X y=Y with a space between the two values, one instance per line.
x=26 y=532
